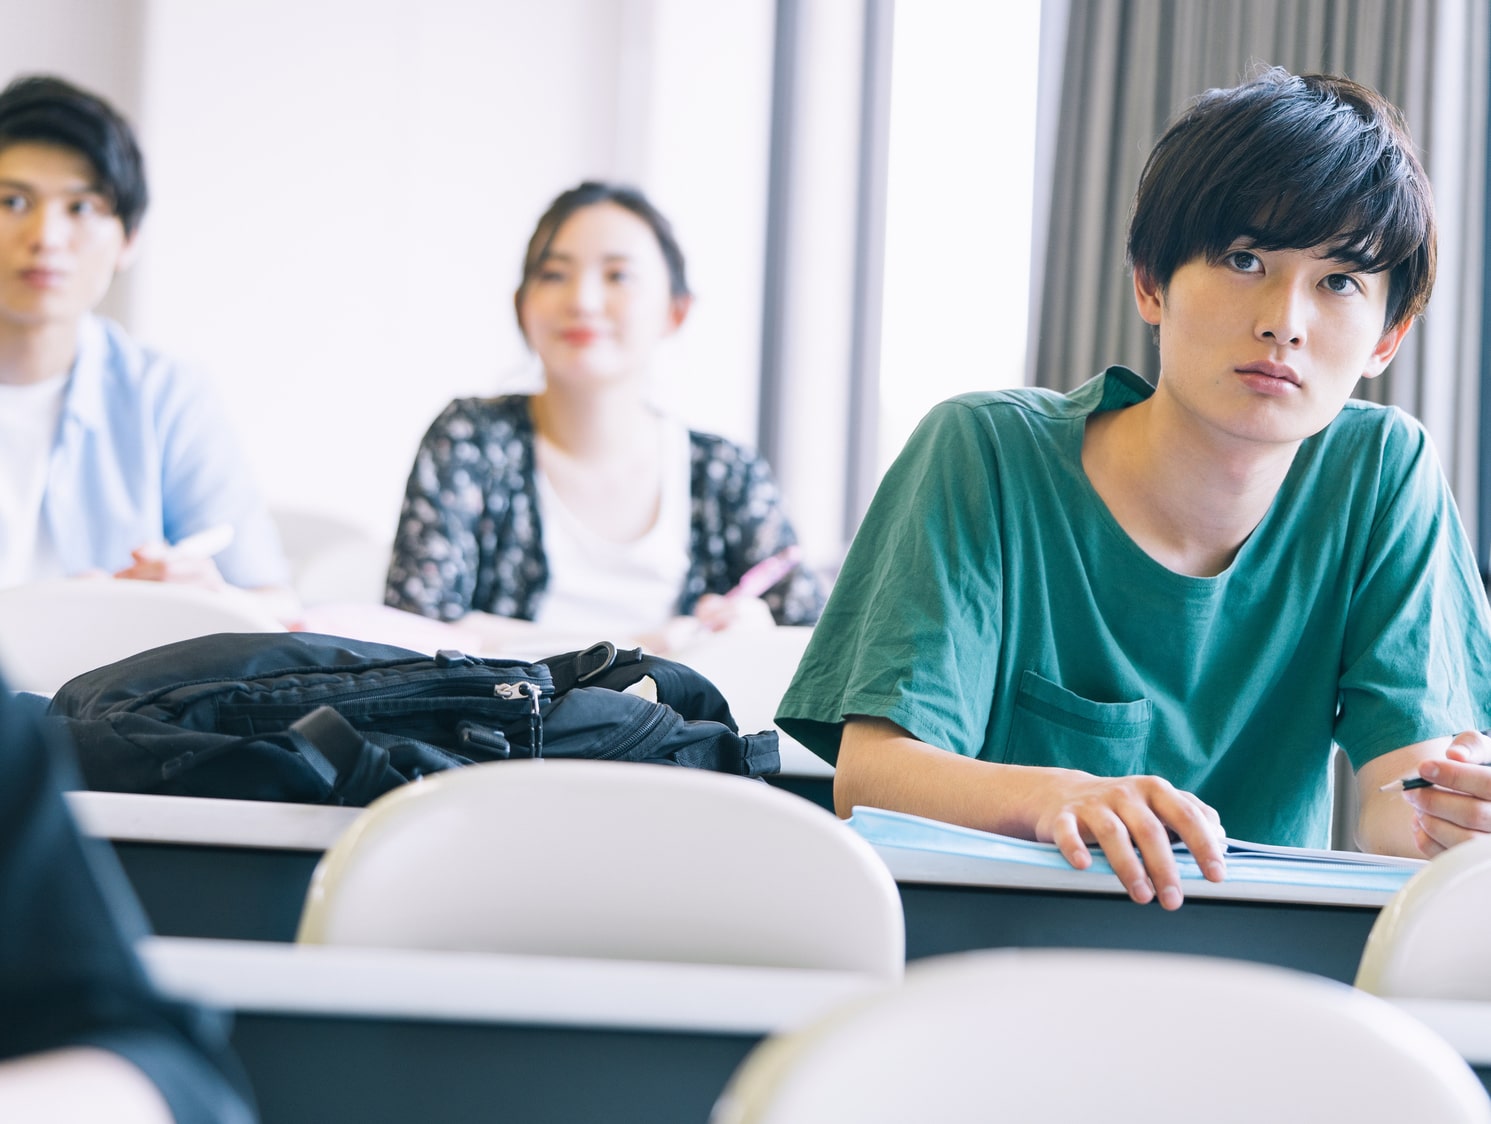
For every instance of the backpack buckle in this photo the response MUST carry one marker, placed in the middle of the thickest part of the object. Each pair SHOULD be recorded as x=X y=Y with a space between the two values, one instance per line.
x=602 y=654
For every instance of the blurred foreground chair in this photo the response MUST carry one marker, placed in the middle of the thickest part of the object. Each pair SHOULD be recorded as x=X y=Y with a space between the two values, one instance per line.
x=1426 y=942
x=1066 y=1035
x=52 y=631
x=609 y=860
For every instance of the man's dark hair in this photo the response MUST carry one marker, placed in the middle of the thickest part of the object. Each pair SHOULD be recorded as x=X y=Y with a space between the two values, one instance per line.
x=588 y=194
x=1289 y=162
x=46 y=110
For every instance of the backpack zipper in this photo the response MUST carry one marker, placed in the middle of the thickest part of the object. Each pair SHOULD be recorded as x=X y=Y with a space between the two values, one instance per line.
x=637 y=736
x=515 y=691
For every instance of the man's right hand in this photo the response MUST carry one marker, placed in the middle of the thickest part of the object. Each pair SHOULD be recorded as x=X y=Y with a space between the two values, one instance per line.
x=1132 y=819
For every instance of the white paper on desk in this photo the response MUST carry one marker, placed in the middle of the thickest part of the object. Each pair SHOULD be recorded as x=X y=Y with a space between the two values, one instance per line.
x=1246 y=862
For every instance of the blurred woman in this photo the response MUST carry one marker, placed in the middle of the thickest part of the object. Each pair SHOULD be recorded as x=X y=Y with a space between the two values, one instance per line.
x=582 y=507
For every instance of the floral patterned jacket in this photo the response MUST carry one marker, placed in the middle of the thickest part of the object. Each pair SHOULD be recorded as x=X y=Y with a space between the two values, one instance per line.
x=469 y=534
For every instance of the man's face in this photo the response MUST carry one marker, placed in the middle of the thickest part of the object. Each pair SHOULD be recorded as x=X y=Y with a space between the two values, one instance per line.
x=1267 y=345
x=60 y=240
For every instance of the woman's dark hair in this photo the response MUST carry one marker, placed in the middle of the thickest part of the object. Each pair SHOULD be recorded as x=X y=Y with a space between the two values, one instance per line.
x=588 y=194
x=1289 y=162
x=47 y=110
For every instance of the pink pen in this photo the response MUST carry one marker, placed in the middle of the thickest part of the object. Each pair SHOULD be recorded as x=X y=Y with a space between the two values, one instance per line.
x=766 y=573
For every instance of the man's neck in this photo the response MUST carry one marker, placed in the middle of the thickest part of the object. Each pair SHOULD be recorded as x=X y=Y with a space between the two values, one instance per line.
x=1187 y=497
x=34 y=353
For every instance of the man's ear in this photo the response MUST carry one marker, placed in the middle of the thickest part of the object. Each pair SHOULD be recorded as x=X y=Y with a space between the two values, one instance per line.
x=128 y=252
x=1149 y=297
x=1386 y=348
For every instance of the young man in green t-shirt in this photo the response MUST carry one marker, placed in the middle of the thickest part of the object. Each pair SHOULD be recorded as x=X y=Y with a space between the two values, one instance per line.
x=1134 y=613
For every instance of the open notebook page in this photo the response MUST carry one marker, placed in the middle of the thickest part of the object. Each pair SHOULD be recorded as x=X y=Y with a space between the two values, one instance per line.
x=1246 y=862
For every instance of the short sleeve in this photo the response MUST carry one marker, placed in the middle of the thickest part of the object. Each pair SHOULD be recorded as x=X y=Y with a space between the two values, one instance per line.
x=1416 y=660
x=206 y=480
x=913 y=621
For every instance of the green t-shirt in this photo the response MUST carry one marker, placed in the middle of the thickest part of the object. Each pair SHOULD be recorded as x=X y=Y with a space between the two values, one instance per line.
x=991 y=605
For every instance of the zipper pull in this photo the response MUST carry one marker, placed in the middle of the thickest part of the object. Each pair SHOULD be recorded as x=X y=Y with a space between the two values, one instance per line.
x=529 y=689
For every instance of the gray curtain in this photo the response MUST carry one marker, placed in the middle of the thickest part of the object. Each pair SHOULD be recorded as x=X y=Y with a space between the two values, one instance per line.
x=1123 y=68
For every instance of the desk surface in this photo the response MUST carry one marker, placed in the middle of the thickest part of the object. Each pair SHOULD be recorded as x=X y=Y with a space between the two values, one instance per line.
x=391 y=1035
x=240 y=869
x=933 y=868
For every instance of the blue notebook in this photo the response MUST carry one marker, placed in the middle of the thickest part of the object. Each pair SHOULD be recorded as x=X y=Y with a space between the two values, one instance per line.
x=1246 y=862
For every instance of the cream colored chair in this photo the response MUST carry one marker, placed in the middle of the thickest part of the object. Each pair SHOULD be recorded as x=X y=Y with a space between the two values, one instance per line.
x=1077 y=1035
x=331 y=559
x=55 y=630
x=609 y=860
x=1429 y=940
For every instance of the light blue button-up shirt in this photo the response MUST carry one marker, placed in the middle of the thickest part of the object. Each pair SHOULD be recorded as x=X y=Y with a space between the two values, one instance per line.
x=144 y=452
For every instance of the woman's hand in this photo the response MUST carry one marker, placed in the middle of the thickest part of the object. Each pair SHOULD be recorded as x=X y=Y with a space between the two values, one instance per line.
x=712 y=613
x=715 y=612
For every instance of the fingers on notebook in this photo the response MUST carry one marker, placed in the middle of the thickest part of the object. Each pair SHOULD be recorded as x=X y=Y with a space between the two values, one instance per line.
x=1133 y=819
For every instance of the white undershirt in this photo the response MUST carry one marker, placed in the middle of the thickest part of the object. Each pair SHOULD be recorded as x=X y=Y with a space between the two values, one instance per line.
x=616 y=590
x=28 y=428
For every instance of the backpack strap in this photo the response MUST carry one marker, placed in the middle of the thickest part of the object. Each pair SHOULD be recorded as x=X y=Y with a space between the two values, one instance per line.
x=575 y=669
x=353 y=769
x=328 y=742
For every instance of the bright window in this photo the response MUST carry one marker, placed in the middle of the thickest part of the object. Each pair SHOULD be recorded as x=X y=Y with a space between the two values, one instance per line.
x=961 y=169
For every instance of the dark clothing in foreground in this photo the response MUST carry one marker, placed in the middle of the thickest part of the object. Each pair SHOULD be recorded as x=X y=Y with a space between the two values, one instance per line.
x=69 y=975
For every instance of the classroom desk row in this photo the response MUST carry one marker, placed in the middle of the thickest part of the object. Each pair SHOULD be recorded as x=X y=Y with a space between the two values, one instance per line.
x=240 y=870
x=379 y=1035
x=374 y=1035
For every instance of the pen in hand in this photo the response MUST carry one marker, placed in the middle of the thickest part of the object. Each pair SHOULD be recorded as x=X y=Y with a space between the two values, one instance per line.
x=766 y=573
x=1406 y=784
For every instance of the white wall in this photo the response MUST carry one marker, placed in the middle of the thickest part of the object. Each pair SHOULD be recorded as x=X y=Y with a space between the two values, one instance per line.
x=342 y=190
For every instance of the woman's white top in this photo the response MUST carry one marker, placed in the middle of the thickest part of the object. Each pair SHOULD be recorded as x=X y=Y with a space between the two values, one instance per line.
x=617 y=590
x=28 y=427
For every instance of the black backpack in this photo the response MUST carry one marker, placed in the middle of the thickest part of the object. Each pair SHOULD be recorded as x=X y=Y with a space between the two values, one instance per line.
x=328 y=720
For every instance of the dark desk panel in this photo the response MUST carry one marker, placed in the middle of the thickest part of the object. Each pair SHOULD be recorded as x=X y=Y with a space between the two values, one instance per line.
x=820 y=790
x=322 y=1070
x=256 y=894
x=202 y=890
x=1324 y=939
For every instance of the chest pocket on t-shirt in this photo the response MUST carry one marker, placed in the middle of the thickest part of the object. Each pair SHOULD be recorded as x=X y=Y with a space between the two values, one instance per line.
x=1052 y=726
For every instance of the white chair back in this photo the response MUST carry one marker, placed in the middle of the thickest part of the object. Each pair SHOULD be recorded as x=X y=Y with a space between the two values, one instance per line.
x=609 y=860
x=52 y=631
x=1426 y=942
x=1071 y=1035
x=332 y=560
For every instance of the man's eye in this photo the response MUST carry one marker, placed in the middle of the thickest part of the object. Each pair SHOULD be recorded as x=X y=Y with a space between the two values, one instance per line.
x=15 y=204
x=1341 y=283
x=91 y=205
x=1244 y=260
